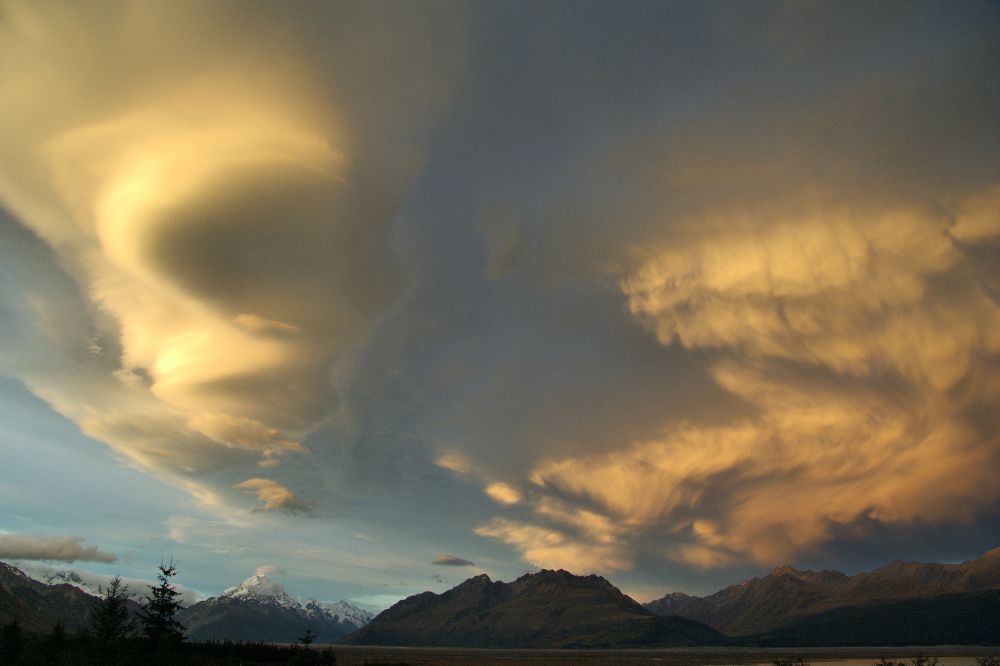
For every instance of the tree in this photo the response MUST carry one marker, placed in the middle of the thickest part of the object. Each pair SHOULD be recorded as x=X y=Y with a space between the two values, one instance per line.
x=308 y=639
x=111 y=622
x=159 y=614
x=55 y=643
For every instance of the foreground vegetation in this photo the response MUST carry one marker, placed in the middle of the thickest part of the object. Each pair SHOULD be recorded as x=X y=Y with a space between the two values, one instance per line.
x=59 y=649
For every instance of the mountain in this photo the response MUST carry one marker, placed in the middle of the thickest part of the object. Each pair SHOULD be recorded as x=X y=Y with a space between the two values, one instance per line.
x=38 y=606
x=259 y=609
x=785 y=595
x=967 y=618
x=549 y=609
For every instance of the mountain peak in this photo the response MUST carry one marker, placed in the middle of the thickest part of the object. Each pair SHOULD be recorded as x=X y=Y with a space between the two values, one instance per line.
x=259 y=587
x=14 y=571
x=786 y=570
x=259 y=608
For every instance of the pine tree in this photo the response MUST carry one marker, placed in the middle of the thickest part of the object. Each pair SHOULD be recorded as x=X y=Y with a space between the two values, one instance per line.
x=111 y=622
x=56 y=642
x=159 y=615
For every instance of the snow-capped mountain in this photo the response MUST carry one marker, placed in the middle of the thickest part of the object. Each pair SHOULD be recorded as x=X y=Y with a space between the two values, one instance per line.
x=341 y=612
x=95 y=584
x=259 y=609
x=259 y=588
x=37 y=605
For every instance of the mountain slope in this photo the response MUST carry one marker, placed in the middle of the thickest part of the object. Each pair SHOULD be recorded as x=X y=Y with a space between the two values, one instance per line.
x=786 y=594
x=259 y=609
x=968 y=618
x=544 y=610
x=38 y=606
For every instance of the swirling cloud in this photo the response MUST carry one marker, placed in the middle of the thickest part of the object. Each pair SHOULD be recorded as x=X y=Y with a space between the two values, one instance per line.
x=190 y=169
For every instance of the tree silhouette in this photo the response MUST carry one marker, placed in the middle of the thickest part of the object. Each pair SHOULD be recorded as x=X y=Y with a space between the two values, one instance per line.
x=308 y=639
x=111 y=622
x=159 y=614
x=56 y=643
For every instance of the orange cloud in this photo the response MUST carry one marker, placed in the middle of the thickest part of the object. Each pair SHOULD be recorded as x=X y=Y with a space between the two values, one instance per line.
x=273 y=495
x=851 y=334
x=551 y=549
x=503 y=493
x=454 y=461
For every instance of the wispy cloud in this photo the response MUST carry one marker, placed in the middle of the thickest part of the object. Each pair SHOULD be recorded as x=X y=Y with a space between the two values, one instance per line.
x=552 y=549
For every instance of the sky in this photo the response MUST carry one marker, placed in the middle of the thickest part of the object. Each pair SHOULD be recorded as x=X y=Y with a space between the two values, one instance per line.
x=383 y=295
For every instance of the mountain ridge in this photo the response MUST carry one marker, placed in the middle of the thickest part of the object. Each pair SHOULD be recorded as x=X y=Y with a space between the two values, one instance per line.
x=764 y=604
x=547 y=609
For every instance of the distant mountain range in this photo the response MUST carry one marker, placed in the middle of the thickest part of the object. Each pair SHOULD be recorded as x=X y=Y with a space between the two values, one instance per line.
x=899 y=604
x=549 y=609
x=787 y=595
x=259 y=609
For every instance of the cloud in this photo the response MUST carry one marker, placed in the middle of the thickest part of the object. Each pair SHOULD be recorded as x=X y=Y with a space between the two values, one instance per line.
x=209 y=186
x=256 y=324
x=811 y=254
x=454 y=461
x=593 y=526
x=274 y=495
x=242 y=433
x=59 y=548
x=851 y=335
x=552 y=549
x=269 y=570
x=503 y=493
x=719 y=324
x=451 y=561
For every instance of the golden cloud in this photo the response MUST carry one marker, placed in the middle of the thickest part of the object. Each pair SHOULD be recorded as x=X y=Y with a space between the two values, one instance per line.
x=194 y=175
x=856 y=337
x=552 y=549
x=455 y=461
x=274 y=495
x=242 y=433
x=503 y=493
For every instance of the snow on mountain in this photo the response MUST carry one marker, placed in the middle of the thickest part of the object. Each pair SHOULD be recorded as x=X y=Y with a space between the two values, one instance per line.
x=341 y=612
x=263 y=590
x=260 y=588
x=95 y=583
x=260 y=609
